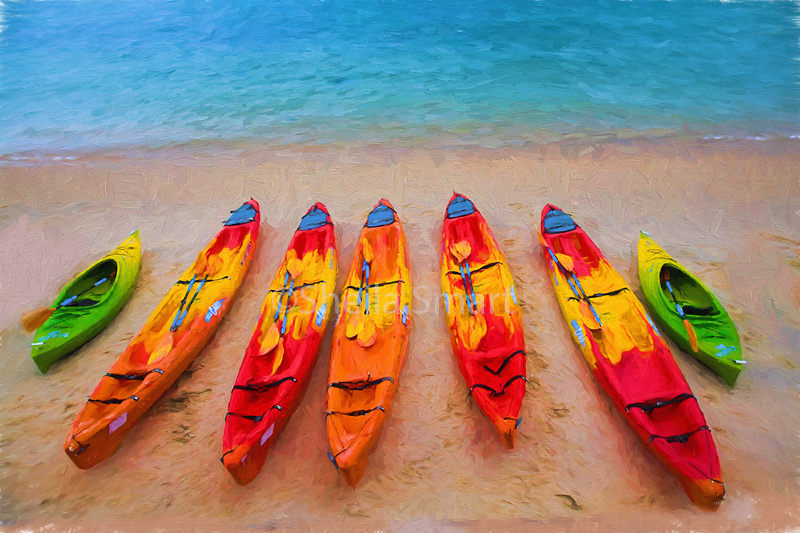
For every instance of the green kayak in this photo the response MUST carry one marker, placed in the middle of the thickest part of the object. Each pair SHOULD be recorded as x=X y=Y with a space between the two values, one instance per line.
x=689 y=312
x=87 y=304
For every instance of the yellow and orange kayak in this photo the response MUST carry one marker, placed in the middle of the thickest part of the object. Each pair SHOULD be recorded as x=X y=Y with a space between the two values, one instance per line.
x=176 y=331
x=283 y=349
x=370 y=342
x=483 y=316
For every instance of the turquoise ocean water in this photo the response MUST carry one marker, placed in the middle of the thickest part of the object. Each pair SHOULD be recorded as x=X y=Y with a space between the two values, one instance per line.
x=91 y=73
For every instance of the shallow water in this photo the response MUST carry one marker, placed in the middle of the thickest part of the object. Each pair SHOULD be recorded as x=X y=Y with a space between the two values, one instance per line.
x=76 y=74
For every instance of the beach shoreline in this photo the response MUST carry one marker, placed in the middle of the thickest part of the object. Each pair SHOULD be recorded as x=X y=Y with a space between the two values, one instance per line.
x=728 y=209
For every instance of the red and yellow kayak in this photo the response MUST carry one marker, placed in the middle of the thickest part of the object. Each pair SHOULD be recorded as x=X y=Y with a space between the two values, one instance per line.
x=283 y=350
x=176 y=331
x=483 y=316
x=370 y=342
x=629 y=358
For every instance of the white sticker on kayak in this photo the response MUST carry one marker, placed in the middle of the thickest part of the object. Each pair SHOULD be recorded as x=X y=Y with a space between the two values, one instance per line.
x=267 y=434
x=321 y=313
x=115 y=425
x=214 y=309
x=579 y=333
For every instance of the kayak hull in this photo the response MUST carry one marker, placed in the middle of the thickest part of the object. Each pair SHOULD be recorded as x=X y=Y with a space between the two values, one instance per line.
x=109 y=283
x=277 y=366
x=176 y=332
x=483 y=317
x=370 y=342
x=629 y=359
x=718 y=342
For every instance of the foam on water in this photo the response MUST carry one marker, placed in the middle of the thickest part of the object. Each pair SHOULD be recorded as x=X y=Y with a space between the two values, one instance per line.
x=99 y=72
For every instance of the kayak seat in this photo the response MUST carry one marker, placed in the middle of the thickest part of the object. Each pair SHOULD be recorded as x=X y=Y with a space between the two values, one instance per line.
x=650 y=406
x=361 y=412
x=133 y=376
x=263 y=385
x=359 y=385
x=699 y=311
x=495 y=393
x=504 y=363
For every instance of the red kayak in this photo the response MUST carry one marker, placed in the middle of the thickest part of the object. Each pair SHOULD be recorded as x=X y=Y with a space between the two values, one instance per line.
x=283 y=350
x=629 y=358
x=483 y=316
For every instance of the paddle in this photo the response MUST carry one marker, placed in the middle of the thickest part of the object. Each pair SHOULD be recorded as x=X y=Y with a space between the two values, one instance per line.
x=33 y=320
x=272 y=336
x=689 y=329
x=567 y=266
x=202 y=265
x=461 y=251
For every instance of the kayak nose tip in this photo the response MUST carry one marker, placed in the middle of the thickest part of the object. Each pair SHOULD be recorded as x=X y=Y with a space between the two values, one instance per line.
x=459 y=206
x=382 y=214
x=316 y=217
x=554 y=220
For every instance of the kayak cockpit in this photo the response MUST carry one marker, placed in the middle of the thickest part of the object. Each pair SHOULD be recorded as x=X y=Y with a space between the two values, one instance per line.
x=679 y=288
x=91 y=287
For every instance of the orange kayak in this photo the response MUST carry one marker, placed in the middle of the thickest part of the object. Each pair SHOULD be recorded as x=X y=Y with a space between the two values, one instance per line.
x=283 y=350
x=176 y=331
x=483 y=316
x=370 y=342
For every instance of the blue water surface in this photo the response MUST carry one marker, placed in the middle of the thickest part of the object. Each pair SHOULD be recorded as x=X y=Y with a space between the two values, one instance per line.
x=88 y=73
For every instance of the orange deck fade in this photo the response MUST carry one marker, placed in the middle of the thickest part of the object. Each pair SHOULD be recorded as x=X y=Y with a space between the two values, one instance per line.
x=176 y=331
x=629 y=358
x=277 y=366
x=370 y=342
x=486 y=332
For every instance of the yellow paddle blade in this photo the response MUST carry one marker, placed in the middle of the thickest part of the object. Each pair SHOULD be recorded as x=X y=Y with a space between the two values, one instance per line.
x=33 y=320
x=461 y=250
x=476 y=331
x=269 y=339
x=367 y=336
x=566 y=261
x=367 y=251
x=541 y=240
x=162 y=348
x=201 y=262
x=294 y=266
x=215 y=264
x=354 y=325
x=278 y=356
x=588 y=317
x=692 y=335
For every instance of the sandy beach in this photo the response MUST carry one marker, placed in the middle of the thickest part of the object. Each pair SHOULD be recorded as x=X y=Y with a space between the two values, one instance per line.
x=728 y=210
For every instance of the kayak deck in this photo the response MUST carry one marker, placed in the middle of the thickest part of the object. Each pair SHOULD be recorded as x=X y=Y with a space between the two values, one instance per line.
x=370 y=342
x=283 y=349
x=629 y=358
x=175 y=333
x=483 y=316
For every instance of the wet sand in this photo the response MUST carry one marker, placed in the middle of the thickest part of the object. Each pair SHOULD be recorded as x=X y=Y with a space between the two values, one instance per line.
x=729 y=211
